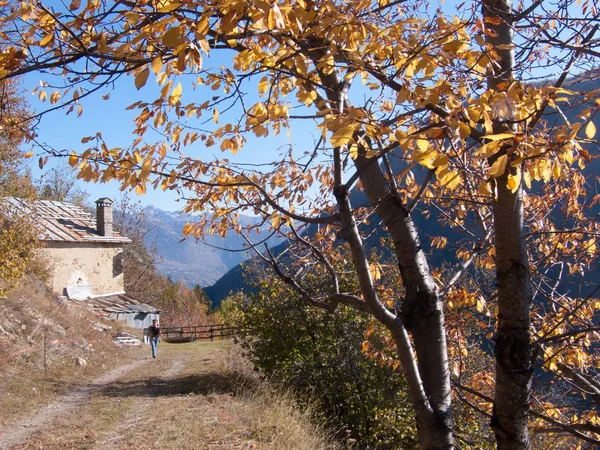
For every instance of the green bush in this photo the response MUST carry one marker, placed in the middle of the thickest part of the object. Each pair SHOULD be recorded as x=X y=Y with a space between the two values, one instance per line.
x=320 y=356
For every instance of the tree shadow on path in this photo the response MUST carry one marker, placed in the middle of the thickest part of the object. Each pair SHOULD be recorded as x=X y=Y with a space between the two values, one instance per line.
x=197 y=384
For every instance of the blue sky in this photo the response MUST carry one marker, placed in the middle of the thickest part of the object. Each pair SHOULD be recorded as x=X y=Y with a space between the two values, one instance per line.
x=110 y=117
x=60 y=131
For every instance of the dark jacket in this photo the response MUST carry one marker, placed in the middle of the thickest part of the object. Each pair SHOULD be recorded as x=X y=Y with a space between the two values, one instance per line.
x=153 y=331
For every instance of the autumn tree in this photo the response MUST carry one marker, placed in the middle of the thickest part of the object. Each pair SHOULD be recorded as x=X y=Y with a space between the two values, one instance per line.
x=141 y=276
x=448 y=123
x=60 y=184
x=18 y=235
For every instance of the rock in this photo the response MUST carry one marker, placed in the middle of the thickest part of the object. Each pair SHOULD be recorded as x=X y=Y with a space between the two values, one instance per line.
x=123 y=338
x=79 y=361
x=101 y=327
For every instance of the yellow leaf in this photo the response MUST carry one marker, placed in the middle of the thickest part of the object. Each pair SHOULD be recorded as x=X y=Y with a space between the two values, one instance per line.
x=131 y=17
x=556 y=171
x=474 y=114
x=216 y=115
x=487 y=150
x=276 y=221
x=73 y=159
x=375 y=272
x=590 y=247
x=514 y=181
x=464 y=130
x=277 y=17
x=171 y=38
x=498 y=167
x=141 y=78
x=204 y=45
x=29 y=154
x=263 y=85
x=54 y=97
x=47 y=40
x=202 y=26
x=181 y=61
x=426 y=158
x=146 y=167
x=229 y=21
x=176 y=94
x=551 y=365
x=590 y=130
x=547 y=171
x=440 y=161
x=157 y=65
x=449 y=179
x=487 y=121
x=343 y=135
x=402 y=96
x=169 y=8
x=423 y=145
x=480 y=305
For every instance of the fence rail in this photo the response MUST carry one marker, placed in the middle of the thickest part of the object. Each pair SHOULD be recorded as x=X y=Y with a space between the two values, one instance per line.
x=200 y=332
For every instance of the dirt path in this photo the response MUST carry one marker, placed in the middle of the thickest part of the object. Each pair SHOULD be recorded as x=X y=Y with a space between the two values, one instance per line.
x=193 y=396
x=181 y=400
x=21 y=430
x=132 y=418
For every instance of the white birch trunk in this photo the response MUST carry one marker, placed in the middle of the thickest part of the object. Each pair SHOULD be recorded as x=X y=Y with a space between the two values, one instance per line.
x=514 y=350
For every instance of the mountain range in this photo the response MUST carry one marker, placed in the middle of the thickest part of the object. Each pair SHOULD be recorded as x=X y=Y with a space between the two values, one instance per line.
x=192 y=261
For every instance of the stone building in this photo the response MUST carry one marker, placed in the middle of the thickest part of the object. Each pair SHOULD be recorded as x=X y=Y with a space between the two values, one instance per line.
x=85 y=258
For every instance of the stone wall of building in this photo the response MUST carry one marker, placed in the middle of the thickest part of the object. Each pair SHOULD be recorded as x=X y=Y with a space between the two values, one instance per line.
x=99 y=265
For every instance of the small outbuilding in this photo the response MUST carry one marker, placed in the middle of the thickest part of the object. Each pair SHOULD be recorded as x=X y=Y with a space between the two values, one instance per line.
x=85 y=257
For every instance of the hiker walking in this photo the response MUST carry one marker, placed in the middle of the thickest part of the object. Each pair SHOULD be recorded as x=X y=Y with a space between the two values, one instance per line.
x=154 y=334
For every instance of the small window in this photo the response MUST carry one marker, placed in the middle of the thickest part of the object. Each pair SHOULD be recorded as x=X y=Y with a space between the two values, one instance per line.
x=118 y=264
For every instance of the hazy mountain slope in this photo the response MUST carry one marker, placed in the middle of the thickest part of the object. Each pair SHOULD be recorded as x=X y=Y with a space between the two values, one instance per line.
x=189 y=260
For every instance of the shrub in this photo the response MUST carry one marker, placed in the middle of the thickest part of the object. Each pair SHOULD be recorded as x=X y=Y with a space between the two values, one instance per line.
x=320 y=356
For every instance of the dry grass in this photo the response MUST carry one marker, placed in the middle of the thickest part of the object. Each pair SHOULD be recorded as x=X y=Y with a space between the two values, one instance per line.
x=203 y=395
x=40 y=340
x=194 y=396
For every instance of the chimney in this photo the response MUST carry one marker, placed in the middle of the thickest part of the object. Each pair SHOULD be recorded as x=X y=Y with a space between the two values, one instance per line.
x=104 y=216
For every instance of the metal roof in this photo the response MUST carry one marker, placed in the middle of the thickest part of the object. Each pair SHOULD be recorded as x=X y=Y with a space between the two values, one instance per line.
x=119 y=304
x=64 y=222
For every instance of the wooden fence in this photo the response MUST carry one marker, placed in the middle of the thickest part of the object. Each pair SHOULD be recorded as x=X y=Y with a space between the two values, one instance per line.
x=200 y=332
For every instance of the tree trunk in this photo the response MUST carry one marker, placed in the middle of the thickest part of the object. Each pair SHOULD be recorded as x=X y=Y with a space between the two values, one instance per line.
x=514 y=349
x=514 y=352
x=421 y=310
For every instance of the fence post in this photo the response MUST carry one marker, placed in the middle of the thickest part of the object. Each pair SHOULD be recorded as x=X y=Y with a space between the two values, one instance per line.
x=45 y=359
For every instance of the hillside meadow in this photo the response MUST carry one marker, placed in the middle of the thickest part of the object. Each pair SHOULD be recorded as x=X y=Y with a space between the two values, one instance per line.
x=196 y=396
